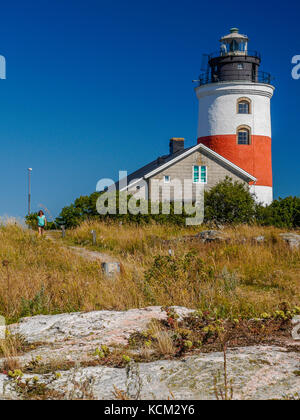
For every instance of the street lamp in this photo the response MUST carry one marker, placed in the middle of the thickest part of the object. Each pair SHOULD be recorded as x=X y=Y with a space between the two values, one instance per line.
x=29 y=189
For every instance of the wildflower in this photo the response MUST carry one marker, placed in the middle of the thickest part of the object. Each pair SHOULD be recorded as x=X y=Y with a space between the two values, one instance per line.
x=265 y=315
x=99 y=353
x=105 y=350
x=188 y=344
x=296 y=310
x=17 y=373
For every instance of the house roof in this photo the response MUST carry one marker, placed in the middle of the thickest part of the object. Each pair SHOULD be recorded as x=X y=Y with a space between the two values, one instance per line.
x=163 y=162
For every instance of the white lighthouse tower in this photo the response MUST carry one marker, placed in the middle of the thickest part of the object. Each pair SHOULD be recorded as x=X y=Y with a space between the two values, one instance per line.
x=234 y=111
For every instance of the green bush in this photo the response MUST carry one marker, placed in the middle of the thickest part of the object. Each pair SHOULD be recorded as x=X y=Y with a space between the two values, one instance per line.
x=229 y=202
x=32 y=222
x=282 y=213
x=84 y=208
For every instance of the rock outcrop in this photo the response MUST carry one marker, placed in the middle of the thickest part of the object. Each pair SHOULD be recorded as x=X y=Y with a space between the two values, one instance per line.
x=292 y=239
x=258 y=372
x=74 y=336
x=212 y=236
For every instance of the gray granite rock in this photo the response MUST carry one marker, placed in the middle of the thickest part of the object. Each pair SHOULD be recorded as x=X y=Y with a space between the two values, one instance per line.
x=259 y=239
x=256 y=372
x=74 y=336
x=212 y=236
x=292 y=239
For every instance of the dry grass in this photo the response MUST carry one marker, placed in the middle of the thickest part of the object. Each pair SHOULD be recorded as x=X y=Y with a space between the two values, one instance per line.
x=241 y=277
x=164 y=343
x=10 y=348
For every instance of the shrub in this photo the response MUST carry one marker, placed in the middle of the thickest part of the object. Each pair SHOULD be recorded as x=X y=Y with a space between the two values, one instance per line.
x=174 y=276
x=229 y=202
x=84 y=208
x=282 y=213
x=32 y=222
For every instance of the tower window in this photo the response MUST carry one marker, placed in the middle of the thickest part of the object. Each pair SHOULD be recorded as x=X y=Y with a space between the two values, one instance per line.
x=244 y=106
x=243 y=136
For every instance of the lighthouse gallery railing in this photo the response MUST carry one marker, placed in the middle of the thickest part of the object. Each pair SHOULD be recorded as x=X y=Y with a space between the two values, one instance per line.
x=235 y=76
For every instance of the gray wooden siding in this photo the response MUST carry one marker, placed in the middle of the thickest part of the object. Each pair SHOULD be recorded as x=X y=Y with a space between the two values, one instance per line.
x=183 y=170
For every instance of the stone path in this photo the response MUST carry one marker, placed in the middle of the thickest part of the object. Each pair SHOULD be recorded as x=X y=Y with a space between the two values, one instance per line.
x=81 y=251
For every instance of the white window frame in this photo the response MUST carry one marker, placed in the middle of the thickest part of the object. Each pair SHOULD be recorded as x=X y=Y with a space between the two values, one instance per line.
x=199 y=181
x=165 y=181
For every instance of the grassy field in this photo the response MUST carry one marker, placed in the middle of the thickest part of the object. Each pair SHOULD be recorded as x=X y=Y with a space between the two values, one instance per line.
x=239 y=278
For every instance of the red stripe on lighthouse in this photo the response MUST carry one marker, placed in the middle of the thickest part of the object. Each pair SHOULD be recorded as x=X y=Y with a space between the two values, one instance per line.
x=254 y=158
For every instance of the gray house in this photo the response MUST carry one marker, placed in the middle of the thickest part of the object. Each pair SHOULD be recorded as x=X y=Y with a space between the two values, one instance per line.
x=177 y=175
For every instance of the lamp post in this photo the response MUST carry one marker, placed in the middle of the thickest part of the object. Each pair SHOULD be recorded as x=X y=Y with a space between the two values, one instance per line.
x=29 y=190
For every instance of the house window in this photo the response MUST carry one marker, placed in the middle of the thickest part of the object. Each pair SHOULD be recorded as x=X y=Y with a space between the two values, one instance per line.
x=167 y=179
x=243 y=136
x=244 y=106
x=199 y=174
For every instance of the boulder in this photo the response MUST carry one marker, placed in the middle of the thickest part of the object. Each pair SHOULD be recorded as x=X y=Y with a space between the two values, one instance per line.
x=212 y=236
x=292 y=239
x=259 y=239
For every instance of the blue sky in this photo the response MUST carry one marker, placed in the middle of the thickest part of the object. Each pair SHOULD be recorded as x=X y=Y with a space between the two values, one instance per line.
x=96 y=86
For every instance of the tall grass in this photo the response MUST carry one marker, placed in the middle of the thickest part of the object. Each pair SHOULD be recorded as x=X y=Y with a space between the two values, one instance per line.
x=39 y=276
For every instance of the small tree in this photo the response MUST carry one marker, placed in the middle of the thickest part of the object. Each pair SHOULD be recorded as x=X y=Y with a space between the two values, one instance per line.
x=31 y=220
x=229 y=202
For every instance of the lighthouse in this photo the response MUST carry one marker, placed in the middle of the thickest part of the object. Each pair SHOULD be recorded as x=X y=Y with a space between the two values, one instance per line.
x=234 y=111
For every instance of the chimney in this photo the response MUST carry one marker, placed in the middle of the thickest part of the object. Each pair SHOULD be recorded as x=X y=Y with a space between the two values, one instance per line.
x=176 y=145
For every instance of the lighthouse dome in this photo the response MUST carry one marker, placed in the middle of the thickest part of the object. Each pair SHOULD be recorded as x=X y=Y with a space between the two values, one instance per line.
x=234 y=34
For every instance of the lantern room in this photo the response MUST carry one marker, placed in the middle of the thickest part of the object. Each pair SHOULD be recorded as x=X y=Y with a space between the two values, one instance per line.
x=234 y=43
